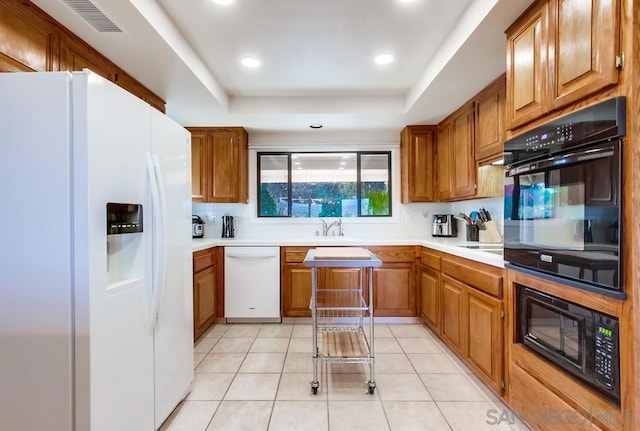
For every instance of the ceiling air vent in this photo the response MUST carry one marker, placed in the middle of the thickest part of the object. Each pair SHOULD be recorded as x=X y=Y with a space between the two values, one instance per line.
x=94 y=16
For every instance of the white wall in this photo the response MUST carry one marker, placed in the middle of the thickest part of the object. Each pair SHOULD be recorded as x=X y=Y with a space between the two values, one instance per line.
x=408 y=220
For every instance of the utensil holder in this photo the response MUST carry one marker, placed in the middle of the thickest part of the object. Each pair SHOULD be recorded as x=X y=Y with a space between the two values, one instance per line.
x=490 y=233
x=472 y=231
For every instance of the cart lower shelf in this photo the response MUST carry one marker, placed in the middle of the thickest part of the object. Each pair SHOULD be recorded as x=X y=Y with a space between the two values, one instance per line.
x=343 y=345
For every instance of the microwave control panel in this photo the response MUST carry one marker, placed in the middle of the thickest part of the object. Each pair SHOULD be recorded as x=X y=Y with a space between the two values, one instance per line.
x=606 y=346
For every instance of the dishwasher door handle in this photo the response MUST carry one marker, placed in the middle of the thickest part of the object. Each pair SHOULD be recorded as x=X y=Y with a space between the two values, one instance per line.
x=251 y=255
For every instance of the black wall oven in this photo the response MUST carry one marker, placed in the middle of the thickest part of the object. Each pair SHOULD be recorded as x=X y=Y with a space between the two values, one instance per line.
x=562 y=198
x=579 y=340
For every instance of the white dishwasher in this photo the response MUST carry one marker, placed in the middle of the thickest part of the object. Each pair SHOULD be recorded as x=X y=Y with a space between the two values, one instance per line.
x=252 y=284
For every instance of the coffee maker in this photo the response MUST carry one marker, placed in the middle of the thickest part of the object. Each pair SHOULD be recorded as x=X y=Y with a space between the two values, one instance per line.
x=228 y=226
x=444 y=225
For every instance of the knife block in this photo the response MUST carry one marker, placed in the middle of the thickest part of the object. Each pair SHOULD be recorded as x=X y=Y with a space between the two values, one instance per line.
x=490 y=233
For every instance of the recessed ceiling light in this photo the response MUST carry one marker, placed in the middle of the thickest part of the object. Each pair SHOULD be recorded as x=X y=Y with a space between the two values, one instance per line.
x=250 y=62
x=316 y=126
x=223 y=2
x=384 y=59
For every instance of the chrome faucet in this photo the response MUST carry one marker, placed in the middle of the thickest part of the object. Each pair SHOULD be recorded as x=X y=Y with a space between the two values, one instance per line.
x=326 y=227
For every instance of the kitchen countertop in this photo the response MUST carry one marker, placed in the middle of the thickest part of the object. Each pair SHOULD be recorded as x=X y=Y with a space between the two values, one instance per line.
x=455 y=246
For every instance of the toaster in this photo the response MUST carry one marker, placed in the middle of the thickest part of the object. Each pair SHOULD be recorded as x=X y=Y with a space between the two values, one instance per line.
x=444 y=225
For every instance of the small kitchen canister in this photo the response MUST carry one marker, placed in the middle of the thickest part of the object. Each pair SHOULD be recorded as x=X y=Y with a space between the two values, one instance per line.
x=473 y=232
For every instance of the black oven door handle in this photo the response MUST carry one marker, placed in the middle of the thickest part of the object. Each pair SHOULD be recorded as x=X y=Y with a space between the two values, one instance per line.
x=564 y=160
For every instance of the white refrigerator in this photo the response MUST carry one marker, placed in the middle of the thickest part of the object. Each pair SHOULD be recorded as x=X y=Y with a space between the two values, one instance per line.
x=96 y=329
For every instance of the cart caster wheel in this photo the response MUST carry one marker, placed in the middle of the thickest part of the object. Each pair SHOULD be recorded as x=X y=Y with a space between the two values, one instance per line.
x=314 y=390
x=371 y=389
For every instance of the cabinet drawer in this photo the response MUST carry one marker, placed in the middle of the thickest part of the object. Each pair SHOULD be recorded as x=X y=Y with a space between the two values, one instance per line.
x=484 y=281
x=203 y=259
x=430 y=259
x=530 y=398
x=295 y=254
x=394 y=254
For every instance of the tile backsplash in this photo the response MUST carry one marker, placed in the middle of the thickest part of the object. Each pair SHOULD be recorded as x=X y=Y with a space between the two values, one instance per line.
x=408 y=221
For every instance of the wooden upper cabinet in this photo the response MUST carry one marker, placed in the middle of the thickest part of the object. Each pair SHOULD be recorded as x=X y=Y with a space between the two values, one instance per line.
x=559 y=52
x=490 y=127
x=198 y=177
x=221 y=174
x=463 y=153
x=417 y=153
x=444 y=160
x=28 y=43
x=582 y=48
x=76 y=55
x=227 y=164
x=527 y=66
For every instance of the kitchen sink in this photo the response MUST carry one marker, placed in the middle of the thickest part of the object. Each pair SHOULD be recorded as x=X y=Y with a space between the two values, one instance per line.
x=484 y=247
x=496 y=249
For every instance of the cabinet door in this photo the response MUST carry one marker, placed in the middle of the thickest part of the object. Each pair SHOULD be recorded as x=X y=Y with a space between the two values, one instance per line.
x=340 y=278
x=485 y=337
x=28 y=43
x=204 y=300
x=76 y=55
x=444 y=160
x=463 y=153
x=199 y=169
x=454 y=319
x=582 y=48
x=296 y=291
x=430 y=297
x=227 y=166
x=394 y=292
x=490 y=125
x=527 y=67
x=417 y=151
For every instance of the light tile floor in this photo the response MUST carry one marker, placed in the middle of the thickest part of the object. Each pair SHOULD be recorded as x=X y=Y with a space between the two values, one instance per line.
x=257 y=377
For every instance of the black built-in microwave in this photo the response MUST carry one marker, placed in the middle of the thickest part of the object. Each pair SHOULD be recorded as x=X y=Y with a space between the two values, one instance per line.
x=563 y=196
x=579 y=340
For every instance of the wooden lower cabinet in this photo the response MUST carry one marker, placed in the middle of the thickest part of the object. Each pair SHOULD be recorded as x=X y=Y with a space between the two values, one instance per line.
x=462 y=302
x=296 y=290
x=204 y=298
x=340 y=278
x=394 y=282
x=454 y=315
x=535 y=404
x=430 y=297
x=206 y=290
x=394 y=291
x=485 y=335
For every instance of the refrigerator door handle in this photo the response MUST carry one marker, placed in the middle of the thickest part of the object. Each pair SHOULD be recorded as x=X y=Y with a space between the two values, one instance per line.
x=156 y=257
x=160 y=244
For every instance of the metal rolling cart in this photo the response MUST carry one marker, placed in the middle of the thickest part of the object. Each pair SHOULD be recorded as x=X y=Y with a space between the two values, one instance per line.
x=338 y=312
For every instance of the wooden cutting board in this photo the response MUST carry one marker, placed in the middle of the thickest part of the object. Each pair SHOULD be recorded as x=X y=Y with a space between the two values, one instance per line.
x=342 y=253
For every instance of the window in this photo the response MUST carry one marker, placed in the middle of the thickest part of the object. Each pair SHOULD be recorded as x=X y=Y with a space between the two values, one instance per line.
x=356 y=184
